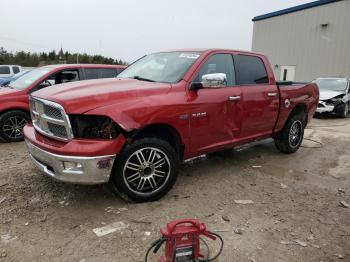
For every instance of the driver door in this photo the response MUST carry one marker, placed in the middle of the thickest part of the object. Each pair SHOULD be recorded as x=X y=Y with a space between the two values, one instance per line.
x=215 y=117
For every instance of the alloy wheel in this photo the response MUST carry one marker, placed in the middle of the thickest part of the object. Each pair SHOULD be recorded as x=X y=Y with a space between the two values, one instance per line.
x=13 y=127
x=146 y=171
x=295 y=134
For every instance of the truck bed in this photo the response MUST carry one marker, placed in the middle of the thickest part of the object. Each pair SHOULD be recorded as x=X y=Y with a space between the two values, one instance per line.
x=293 y=93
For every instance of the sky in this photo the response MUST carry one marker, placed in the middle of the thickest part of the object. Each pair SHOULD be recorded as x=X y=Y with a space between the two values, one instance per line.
x=128 y=29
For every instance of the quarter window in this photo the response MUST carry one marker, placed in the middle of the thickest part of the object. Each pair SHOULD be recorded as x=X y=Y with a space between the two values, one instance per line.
x=219 y=63
x=15 y=69
x=250 y=70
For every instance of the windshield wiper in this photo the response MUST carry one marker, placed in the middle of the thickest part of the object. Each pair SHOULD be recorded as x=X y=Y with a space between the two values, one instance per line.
x=142 y=79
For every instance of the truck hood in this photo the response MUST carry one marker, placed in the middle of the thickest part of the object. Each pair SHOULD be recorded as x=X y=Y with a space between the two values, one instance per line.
x=5 y=91
x=329 y=94
x=82 y=96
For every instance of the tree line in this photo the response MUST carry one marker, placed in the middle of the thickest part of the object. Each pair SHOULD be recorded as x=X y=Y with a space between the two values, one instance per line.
x=32 y=59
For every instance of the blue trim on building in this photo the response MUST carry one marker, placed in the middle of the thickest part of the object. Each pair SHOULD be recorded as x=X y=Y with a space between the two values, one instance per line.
x=294 y=9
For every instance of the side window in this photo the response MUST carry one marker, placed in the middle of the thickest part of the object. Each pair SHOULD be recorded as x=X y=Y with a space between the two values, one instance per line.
x=15 y=69
x=61 y=77
x=107 y=73
x=219 y=63
x=250 y=70
x=91 y=73
x=119 y=70
x=5 y=70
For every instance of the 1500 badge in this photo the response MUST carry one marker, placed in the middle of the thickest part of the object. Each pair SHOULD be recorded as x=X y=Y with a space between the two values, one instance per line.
x=201 y=114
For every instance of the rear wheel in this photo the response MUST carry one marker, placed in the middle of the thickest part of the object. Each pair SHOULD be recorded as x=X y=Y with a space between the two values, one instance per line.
x=145 y=170
x=11 y=125
x=291 y=137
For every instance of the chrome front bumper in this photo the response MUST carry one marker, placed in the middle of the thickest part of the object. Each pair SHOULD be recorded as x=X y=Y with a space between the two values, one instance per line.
x=72 y=169
x=324 y=108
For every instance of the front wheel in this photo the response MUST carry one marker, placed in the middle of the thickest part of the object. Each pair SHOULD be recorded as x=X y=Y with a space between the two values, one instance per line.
x=145 y=170
x=343 y=110
x=291 y=137
x=11 y=125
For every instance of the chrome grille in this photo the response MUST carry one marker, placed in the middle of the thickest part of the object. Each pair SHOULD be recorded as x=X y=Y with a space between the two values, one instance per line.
x=58 y=130
x=52 y=112
x=50 y=119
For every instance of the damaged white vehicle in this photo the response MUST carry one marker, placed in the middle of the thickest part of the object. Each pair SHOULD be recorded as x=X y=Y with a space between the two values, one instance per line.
x=334 y=96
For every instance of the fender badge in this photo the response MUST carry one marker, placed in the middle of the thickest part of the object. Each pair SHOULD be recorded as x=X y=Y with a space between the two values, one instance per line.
x=287 y=103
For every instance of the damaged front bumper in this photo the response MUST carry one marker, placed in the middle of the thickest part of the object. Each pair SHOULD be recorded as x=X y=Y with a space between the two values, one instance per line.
x=324 y=107
x=72 y=169
x=79 y=161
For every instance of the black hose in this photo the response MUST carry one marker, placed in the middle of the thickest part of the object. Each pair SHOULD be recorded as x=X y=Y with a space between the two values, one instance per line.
x=220 y=251
x=155 y=245
x=320 y=145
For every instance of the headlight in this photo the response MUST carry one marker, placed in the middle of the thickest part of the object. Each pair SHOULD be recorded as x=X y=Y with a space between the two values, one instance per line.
x=335 y=101
x=92 y=126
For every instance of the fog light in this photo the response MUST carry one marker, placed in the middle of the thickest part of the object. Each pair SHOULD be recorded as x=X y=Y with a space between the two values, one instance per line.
x=72 y=167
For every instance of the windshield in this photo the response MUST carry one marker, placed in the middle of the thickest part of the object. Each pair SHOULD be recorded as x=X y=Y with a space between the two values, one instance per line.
x=27 y=79
x=167 y=67
x=23 y=72
x=335 y=84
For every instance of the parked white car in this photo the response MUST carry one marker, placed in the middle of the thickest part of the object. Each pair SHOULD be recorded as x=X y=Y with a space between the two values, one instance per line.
x=9 y=70
x=334 y=96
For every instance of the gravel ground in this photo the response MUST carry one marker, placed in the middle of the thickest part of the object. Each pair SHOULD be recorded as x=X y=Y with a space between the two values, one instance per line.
x=296 y=214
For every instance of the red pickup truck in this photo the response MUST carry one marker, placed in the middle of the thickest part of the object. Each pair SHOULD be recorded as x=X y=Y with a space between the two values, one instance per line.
x=14 y=103
x=133 y=131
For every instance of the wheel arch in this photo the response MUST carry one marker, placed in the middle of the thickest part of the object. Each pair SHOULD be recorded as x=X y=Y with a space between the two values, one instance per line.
x=299 y=108
x=15 y=109
x=162 y=131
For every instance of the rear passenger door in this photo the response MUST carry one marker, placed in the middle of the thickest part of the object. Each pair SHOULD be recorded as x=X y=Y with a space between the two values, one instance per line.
x=96 y=73
x=260 y=99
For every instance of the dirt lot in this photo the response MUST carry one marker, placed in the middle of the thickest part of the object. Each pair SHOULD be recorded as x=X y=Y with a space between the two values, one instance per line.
x=296 y=214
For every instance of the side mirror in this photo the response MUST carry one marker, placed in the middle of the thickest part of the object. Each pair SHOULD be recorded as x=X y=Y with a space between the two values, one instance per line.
x=195 y=86
x=44 y=84
x=217 y=80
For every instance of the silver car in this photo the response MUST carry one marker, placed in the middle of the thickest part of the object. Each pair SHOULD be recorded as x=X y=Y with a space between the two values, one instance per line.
x=334 y=95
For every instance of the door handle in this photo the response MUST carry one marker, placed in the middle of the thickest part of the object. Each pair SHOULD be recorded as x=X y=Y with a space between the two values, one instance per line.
x=234 y=98
x=271 y=94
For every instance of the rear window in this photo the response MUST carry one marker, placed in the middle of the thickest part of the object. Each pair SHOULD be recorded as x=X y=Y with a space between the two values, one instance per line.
x=15 y=69
x=5 y=70
x=250 y=70
x=95 y=73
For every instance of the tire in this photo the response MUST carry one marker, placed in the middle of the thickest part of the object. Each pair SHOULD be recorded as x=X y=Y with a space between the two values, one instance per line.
x=146 y=170
x=11 y=125
x=342 y=110
x=291 y=137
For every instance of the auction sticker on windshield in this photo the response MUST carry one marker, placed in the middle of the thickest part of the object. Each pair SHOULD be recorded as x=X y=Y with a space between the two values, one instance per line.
x=189 y=55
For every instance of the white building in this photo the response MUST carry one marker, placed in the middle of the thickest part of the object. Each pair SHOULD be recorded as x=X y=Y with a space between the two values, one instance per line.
x=307 y=41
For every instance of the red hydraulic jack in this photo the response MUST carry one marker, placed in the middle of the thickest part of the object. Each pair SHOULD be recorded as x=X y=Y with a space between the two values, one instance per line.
x=182 y=241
